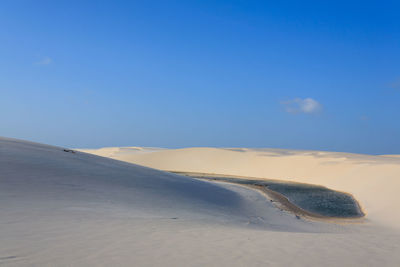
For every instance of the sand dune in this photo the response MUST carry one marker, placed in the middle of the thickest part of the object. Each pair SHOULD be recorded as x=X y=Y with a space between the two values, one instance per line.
x=373 y=180
x=60 y=207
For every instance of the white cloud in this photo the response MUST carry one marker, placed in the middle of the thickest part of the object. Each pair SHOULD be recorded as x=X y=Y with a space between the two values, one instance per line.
x=299 y=105
x=45 y=61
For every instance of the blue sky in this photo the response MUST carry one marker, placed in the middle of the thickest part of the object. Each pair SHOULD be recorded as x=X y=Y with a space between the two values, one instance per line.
x=288 y=74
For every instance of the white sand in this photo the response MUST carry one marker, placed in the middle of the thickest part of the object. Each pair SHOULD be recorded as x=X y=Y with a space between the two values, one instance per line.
x=373 y=180
x=74 y=209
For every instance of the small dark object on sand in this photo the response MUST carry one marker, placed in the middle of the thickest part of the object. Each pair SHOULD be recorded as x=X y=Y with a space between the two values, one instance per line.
x=297 y=217
x=69 y=150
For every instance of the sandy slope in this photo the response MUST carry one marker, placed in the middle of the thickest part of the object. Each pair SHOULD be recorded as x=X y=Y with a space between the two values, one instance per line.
x=373 y=180
x=60 y=208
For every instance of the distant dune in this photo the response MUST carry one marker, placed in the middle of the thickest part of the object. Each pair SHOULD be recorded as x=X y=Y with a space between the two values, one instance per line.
x=63 y=207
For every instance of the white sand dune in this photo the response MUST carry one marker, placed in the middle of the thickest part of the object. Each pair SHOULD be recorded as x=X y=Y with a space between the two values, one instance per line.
x=373 y=180
x=59 y=208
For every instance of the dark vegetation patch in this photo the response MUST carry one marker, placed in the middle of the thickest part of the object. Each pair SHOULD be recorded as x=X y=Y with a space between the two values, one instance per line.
x=69 y=151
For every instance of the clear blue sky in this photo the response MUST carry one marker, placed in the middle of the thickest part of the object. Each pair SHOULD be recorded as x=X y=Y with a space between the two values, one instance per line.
x=288 y=74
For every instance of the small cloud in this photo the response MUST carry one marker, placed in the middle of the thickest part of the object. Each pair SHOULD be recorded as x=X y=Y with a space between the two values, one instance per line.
x=299 y=105
x=44 y=61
